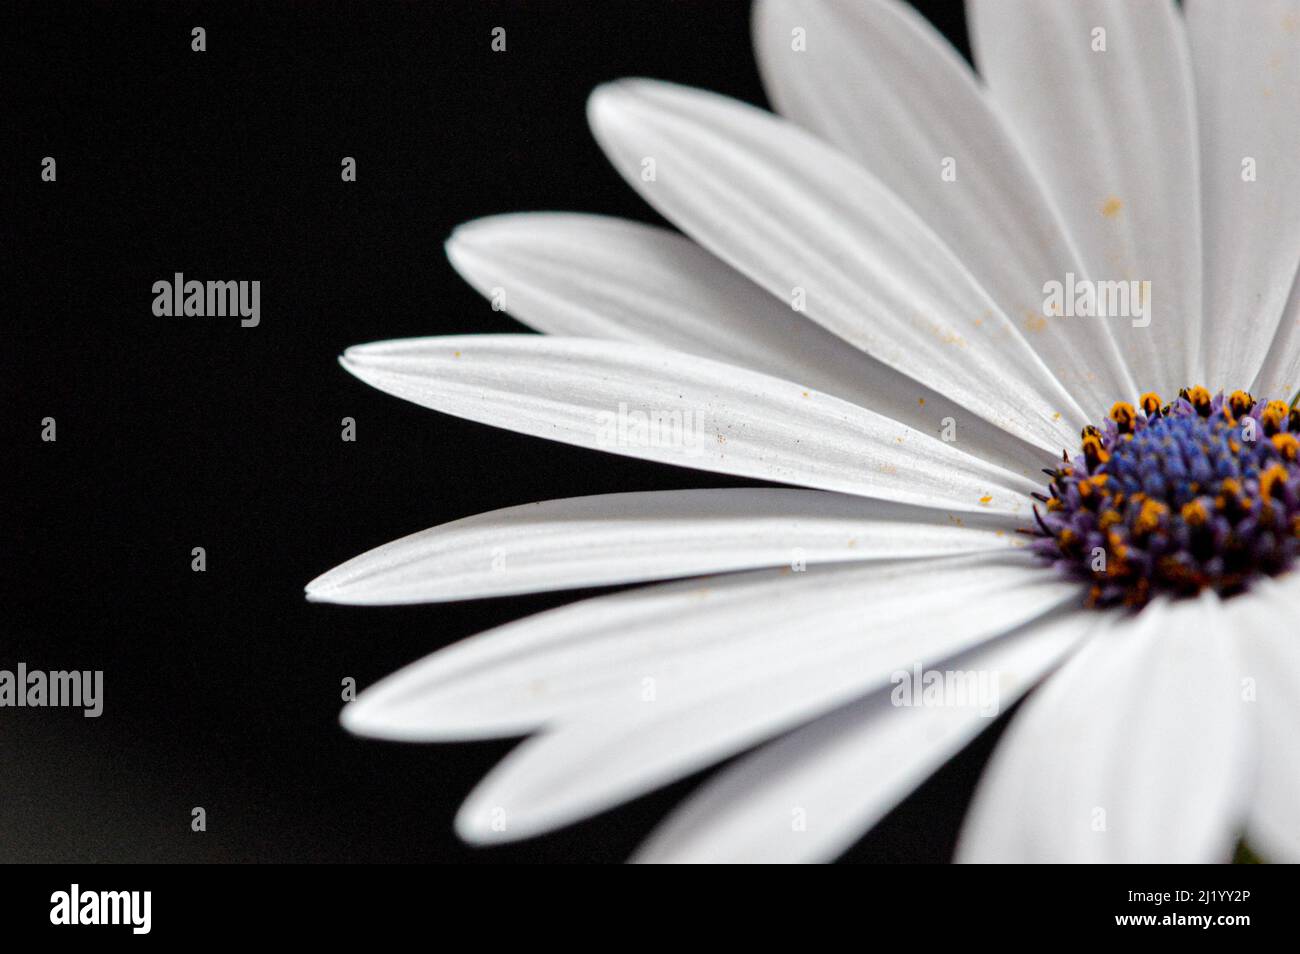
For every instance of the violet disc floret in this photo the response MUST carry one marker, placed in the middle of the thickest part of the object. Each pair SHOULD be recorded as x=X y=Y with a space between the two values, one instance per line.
x=1202 y=493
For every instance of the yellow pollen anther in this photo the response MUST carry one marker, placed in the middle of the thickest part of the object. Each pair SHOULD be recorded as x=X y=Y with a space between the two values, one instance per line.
x=1117 y=545
x=1199 y=398
x=1230 y=492
x=1287 y=445
x=1274 y=413
x=1194 y=513
x=1148 y=518
x=1151 y=403
x=1271 y=480
x=1123 y=415
x=1094 y=486
x=1094 y=452
x=1241 y=402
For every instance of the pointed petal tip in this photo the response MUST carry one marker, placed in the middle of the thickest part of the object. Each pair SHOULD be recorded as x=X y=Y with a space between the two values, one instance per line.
x=321 y=590
x=631 y=91
x=320 y=581
x=403 y=347
x=483 y=231
x=359 y=356
x=455 y=239
x=358 y=364
x=481 y=821
x=464 y=233
x=369 y=717
x=354 y=583
x=607 y=99
x=604 y=93
x=352 y=352
x=473 y=829
x=352 y=720
x=393 y=711
x=600 y=105
x=470 y=241
x=343 y=594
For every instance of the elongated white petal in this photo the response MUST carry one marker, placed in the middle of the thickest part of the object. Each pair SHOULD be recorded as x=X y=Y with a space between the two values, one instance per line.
x=810 y=225
x=796 y=663
x=683 y=636
x=1247 y=62
x=1280 y=376
x=680 y=409
x=1100 y=95
x=624 y=538
x=1136 y=751
x=1267 y=622
x=874 y=78
x=589 y=276
x=808 y=796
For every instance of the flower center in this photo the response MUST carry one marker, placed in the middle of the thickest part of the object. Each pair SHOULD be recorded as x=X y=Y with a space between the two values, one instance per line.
x=1176 y=498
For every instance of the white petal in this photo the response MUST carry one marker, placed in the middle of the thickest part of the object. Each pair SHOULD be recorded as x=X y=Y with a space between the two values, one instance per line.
x=841 y=774
x=1267 y=626
x=690 y=636
x=712 y=416
x=624 y=538
x=1247 y=62
x=800 y=660
x=1280 y=376
x=588 y=276
x=1113 y=135
x=802 y=219
x=1136 y=751
x=925 y=109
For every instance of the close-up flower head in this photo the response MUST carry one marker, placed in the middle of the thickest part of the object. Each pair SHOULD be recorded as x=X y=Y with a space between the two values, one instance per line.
x=616 y=432
x=1020 y=345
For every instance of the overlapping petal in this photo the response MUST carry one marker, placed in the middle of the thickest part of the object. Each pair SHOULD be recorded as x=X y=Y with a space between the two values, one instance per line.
x=589 y=276
x=874 y=78
x=1099 y=93
x=625 y=538
x=789 y=655
x=680 y=409
x=1136 y=751
x=808 y=796
x=812 y=226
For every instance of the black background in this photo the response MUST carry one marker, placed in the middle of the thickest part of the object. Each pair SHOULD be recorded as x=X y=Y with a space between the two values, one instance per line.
x=222 y=688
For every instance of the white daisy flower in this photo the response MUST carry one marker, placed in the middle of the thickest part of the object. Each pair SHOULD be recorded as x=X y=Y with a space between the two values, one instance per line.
x=859 y=313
